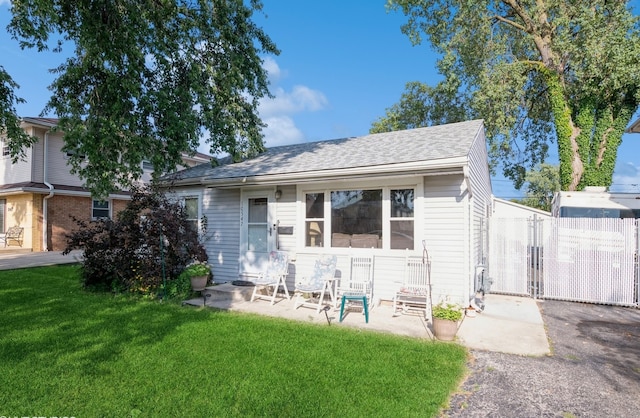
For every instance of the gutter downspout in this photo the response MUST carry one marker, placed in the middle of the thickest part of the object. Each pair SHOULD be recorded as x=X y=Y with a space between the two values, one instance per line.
x=467 y=180
x=45 y=216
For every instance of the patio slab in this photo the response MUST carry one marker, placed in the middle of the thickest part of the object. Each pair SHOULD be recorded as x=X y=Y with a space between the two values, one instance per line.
x=508 y=324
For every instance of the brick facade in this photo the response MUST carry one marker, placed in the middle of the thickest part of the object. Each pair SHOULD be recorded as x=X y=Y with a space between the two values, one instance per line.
x=62 y=209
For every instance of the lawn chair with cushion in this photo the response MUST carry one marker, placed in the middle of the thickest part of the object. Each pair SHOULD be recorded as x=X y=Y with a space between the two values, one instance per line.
x=358 y=286
x=414 y=292
x=320 y=281
x=274 y=276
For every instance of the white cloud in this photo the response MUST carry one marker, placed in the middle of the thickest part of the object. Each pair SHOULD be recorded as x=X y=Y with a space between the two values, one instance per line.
x=7 y=2
x=626 y=178
x=273 y=69
x=281 y=130
x=299 y=99
x=278 y=111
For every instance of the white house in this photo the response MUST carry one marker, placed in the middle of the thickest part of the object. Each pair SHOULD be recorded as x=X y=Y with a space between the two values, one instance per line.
x=510 y=210
x=388 y=195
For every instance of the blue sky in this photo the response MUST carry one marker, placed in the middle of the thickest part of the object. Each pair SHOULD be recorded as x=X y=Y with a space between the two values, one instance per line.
x=342 y=64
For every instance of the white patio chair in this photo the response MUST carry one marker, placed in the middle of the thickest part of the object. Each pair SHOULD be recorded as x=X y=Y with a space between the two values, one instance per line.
x=358 y=287
x=320 y=281
x=414 y=292
x=274 y=276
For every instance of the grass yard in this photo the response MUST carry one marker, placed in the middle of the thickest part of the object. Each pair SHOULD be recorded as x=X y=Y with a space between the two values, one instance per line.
x=67 y=352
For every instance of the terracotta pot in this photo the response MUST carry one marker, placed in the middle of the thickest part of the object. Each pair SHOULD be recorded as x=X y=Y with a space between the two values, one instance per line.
x=198 y=283
x=445 y=329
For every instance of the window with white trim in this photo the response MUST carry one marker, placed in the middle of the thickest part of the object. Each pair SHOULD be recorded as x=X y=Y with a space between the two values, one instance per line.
x=100 y=209
x=4 y=143
x=401 y=219
x=361 y=218
x=314 y=219
x=191 y=209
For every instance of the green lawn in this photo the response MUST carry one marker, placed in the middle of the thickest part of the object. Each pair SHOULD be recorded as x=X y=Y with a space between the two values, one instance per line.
x=67 y=352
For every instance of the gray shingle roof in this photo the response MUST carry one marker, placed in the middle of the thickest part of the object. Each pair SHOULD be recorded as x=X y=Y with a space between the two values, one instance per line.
x=421 y=144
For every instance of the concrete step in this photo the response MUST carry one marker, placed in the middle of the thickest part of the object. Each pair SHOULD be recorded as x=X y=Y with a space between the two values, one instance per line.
x=228 y=292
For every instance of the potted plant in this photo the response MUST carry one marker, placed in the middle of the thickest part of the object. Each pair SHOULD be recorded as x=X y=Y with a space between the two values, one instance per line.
x=198 y=272
x=445 y=320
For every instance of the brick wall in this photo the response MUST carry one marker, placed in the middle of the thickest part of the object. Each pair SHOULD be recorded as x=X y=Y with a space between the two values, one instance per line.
x=63 y=208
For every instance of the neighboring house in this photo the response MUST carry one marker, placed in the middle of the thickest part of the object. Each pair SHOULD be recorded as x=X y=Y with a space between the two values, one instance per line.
x=40 y=194
x=383 y=195
x=507 y=209
x=634 y=127
x=596 y=202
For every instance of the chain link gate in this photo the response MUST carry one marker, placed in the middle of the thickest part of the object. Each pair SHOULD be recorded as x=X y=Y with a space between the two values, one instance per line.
x=576 y=259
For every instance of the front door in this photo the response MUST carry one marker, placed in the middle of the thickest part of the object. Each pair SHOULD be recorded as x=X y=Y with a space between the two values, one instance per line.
x=258 y=236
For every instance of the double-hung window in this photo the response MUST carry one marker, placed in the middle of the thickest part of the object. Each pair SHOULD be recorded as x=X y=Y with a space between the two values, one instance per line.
x=4 y=144
x=100 y=209
x=361 y=218
x=191 y=209
x=401 y=219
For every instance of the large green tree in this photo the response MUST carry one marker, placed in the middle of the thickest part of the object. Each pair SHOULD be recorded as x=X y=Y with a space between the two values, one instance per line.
x=146 y=81
x=537 y=72
x=541 y=185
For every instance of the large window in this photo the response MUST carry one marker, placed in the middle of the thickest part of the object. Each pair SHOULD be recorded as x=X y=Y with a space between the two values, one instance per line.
x=360 y=218
x=100 y=209
x=356 y=218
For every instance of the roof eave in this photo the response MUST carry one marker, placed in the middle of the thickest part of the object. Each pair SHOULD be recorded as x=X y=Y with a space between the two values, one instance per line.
x=424 y=168
x=634 y=128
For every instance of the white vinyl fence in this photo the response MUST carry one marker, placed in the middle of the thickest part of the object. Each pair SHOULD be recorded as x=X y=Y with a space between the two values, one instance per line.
x=577 y=259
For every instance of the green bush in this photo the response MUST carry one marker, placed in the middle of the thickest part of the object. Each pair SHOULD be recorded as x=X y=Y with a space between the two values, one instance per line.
x=150 y=242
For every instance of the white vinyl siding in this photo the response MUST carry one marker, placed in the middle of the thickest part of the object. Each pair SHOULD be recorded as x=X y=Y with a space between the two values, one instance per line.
x=481 y=201
x=222 y=209
x=58 y=170
x=445 y=234
x=286 y=217
x=19 y=172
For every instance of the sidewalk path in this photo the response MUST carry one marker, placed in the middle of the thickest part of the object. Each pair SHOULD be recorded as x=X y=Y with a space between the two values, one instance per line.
x=36 y=259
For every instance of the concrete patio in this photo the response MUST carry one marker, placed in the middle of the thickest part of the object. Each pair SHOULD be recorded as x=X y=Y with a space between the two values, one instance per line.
x=508 y=324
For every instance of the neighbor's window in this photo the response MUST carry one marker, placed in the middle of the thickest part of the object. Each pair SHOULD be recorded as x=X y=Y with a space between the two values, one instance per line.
x=191 y=209
x=401 y=218
x=100 y=209
x=3 y=203
x=356 y=218
x=5 y=146
x=71 y=153
x=314 y=219
x=147 y=165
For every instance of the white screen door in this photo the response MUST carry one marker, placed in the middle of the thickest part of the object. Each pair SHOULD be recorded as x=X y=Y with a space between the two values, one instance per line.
x=258 y=234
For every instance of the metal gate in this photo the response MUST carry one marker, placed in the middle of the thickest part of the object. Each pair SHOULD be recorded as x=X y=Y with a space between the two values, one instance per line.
x=577 y=259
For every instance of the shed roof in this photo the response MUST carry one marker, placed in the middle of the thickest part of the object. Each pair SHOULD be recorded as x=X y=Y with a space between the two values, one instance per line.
x=415 y=147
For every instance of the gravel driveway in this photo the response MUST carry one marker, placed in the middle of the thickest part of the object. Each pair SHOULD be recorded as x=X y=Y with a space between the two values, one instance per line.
x=594 y=369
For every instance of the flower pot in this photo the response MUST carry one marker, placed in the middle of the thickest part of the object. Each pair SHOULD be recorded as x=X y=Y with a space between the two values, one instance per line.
x=445 y=329
x=198 y=283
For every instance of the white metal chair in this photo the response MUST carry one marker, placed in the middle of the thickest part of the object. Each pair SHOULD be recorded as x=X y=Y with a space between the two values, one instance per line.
x=359 y=285
x=274 y=276
x=320 y=281
x=414 y=292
